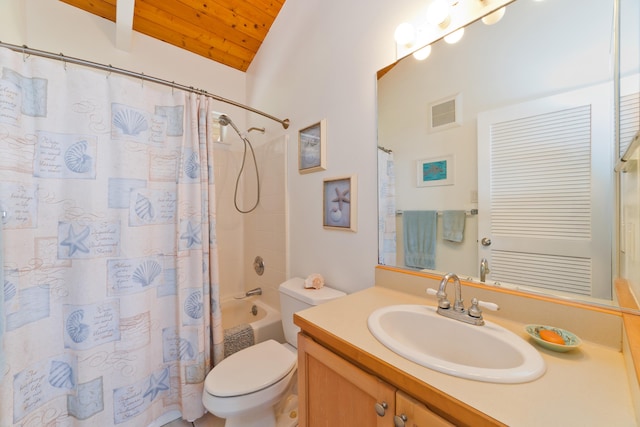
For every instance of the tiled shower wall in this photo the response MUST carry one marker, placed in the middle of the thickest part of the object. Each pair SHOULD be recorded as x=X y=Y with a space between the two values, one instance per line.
x=262 y=232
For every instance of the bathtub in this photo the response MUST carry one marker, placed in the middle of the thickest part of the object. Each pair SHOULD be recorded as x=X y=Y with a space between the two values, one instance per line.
x=266 y=322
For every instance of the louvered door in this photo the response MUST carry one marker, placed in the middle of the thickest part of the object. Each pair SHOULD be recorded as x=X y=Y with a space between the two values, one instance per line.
x=629 y=118
x=545 y=192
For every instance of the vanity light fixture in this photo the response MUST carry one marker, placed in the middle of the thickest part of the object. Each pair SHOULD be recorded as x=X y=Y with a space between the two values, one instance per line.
x=438 y=13
x=455 y=36
x=423 y=53
x=440 y=18
x=494 y=17
x=405 y=34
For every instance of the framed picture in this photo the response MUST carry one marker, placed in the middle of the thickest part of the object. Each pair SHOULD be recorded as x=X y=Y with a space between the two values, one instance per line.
x=312 y=147
x=436 y=171
x=339 y=203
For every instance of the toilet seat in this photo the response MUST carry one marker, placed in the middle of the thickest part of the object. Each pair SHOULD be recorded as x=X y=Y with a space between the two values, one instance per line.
x=250 y=370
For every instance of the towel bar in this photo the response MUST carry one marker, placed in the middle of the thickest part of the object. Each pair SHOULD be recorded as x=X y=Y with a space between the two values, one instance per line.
x=469 y=212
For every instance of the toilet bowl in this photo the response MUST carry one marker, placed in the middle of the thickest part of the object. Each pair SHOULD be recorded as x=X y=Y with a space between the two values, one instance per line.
x=246 y=388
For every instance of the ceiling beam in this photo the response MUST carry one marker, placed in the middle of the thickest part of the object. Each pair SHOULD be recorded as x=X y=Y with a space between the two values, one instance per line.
x=124 y=24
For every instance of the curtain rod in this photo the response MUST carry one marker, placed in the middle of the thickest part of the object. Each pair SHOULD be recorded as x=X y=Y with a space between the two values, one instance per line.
x=60 y=57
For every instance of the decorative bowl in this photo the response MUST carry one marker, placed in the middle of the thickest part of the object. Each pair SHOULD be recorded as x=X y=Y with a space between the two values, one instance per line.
x=571 y=341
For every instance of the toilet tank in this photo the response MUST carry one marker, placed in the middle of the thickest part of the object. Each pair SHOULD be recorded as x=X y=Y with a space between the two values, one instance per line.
x=295 y=297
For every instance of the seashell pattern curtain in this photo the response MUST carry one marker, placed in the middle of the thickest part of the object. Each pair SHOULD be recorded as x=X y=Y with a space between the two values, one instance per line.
x=109 y=312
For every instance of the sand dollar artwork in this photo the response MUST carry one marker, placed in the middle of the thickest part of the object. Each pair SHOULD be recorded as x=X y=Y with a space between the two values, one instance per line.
x=336 y=215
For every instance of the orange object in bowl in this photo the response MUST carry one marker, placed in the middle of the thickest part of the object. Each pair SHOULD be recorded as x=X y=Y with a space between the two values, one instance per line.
x=551 y=336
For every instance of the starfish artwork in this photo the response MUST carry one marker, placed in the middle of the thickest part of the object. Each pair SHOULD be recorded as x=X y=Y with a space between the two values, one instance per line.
x=156 y=385
x=192 y=235
x=75 y=242
x=341 y=197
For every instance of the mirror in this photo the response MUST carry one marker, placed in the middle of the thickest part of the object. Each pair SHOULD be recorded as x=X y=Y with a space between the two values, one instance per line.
x=433 y=114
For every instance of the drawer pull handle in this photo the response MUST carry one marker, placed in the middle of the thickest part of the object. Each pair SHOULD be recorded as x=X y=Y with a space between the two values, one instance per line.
x=381 y=408
x=399 y=420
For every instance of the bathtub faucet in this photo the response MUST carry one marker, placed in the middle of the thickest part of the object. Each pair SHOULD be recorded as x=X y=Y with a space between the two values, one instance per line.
x=252 y=292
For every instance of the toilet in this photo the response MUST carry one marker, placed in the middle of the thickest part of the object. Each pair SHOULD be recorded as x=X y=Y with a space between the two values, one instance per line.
x=247 y=387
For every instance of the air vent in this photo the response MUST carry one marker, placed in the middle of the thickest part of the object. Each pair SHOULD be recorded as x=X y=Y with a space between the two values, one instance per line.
x=445 y=113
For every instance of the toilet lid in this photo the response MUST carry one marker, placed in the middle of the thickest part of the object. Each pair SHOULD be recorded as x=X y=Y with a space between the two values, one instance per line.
x=250 y=370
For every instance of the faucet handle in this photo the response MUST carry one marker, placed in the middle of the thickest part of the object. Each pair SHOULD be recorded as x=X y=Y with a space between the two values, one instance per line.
x=443 y=302
x=489 y=305
x=474 y=310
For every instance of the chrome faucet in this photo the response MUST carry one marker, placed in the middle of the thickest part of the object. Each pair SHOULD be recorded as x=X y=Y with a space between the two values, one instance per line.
x=484 y=269
x=252 y=292
x=443 y=302
x=458 y=312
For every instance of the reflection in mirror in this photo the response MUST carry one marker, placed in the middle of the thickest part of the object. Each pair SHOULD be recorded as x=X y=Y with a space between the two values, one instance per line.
x=629 y=130
x=501 y=148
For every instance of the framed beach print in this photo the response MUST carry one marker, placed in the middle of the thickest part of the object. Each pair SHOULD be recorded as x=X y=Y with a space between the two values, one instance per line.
x=339 y=203
x=312 y=147
x=435 y=171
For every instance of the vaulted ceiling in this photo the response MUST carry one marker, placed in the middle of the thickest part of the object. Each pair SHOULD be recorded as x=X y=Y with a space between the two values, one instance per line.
x=226 y=31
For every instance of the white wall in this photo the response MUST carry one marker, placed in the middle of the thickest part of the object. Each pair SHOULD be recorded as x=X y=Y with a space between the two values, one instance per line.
x=318 y=61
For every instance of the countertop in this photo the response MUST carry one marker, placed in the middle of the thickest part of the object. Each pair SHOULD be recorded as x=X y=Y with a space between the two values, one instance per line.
x=584 y=387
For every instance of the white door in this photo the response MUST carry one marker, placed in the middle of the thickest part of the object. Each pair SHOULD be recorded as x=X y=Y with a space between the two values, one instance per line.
x=546 y=193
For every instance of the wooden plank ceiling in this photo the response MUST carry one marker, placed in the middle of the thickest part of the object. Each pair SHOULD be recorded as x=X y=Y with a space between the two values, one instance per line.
x=226 y=31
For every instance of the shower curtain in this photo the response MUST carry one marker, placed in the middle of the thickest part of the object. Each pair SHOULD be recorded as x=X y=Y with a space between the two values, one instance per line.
x=110 y=312
x=386 y=208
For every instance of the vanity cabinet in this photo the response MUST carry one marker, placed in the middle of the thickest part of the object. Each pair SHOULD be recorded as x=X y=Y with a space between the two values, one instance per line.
x=412 y=413
x=333 y=392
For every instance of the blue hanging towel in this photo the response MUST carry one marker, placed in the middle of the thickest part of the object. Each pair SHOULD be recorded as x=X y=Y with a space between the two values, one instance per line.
x=419 y=229
x=453 y=225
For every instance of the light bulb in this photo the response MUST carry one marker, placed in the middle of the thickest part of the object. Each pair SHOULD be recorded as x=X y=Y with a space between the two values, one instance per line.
x=438 y=13
x=422 y=54
x=405 y=34
x=455 y=36
x=494 y=17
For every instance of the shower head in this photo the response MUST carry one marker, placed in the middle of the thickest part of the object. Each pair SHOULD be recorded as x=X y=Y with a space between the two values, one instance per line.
x=224 y=120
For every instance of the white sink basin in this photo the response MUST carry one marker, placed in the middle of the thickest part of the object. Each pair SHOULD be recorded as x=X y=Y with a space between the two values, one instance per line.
x=487 y=353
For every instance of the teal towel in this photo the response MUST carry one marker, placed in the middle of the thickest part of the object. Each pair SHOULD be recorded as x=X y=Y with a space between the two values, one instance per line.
x=419 y=229
x=453 y=225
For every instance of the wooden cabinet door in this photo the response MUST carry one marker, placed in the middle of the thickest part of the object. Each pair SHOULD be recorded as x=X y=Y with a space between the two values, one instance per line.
x=417 y=414
x=334 y=393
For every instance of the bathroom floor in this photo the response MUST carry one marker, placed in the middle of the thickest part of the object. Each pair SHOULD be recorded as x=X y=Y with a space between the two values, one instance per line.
x=207 y=421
